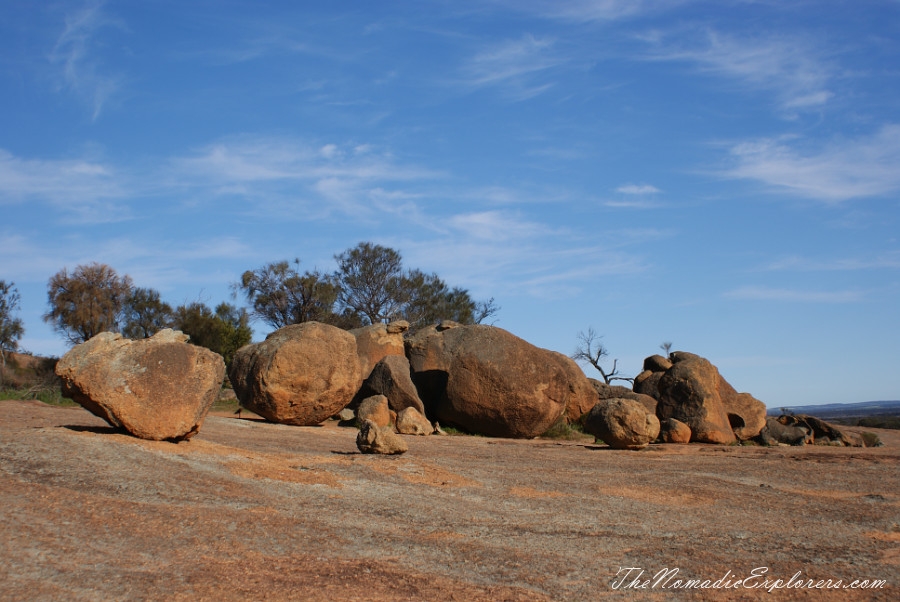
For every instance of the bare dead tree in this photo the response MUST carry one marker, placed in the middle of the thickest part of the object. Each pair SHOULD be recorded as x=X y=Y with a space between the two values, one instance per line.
x=667 y=347
x=592 y=351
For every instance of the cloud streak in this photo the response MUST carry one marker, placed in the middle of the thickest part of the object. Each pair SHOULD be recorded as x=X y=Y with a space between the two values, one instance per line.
x=847 y=169
x=763 y=293
x=92 y=191
x=82 y=72
x=513 y=65
x=788 y=67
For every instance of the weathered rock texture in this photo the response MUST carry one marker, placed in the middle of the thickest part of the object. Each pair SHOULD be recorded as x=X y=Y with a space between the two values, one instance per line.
x=301 y=374
x=374 y=408
x=582 y=395
x=391 y=377
x=411 y=422
x=378 y=341
x=486 y=380
x=373 y=439
x=821 y=432
x=674 y=431
x=605 y=391
x=775 y=432
x=157 y=388
x=694 y=392
x=622 y=424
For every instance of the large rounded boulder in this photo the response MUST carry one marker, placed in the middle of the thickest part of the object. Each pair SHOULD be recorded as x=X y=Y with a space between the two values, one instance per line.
x=157 y=388
x=485 y=380
x=301 y=374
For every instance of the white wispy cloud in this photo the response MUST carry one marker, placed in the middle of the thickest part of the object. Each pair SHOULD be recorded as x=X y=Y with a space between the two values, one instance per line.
x=593 y=10
x=638 y=189
x=844 y=169
x=513 y=64
x=89 y=190
x=885 y=261
x=763 y=293
x=792 y=68
x=83 y=72
x=287 y=172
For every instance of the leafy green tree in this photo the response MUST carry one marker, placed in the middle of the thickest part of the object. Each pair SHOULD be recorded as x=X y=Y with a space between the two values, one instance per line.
x=89 y=300
x=145 y=314
x=374 y=285
x=223 y=331
x=280 y=295
x=11 y=329
x=371 y=282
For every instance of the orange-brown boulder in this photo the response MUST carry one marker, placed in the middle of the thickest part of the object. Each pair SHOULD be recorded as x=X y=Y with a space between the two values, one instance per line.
x=373 y=439
x=411 y=422
x=374 y=408
x=488 y=381
x=378 y=341
x=157 y=388
x=622 y=424
x=674 y=431
x=301 y=374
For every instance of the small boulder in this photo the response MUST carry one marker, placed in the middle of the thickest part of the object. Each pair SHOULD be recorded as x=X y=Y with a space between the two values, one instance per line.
x=657 y=363
x=157 y=388
x=622 y=424
x=374 y=408
x=411 y=422
x=674 y=431
x=301 y=374
x=373 y=439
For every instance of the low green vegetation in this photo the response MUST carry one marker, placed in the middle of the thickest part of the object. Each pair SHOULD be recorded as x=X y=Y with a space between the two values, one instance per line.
x=47 y=394
x=871 y=439
x=562 y=429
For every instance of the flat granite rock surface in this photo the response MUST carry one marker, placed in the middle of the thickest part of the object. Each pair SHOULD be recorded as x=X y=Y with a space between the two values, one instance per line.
x=249 y=510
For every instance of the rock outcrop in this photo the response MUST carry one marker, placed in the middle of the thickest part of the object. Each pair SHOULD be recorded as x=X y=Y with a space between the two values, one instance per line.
x=488 y=381
x=694 y=392
x=674 y=431
x=373 y=439
x=775 y=433
x=622 y=424
x=301 y=374
x=157 y=388
x=821 y=432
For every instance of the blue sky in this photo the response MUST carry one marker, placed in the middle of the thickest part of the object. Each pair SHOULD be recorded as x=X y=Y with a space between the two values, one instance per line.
x=722 y=175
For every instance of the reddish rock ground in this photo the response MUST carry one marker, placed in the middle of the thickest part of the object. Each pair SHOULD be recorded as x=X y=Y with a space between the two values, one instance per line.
x=251 y=511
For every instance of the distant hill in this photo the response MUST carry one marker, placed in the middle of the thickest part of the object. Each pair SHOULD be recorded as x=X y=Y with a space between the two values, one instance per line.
x=844 y=410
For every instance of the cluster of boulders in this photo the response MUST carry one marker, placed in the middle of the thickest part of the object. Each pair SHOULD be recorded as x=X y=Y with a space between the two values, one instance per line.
x=477 y=378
